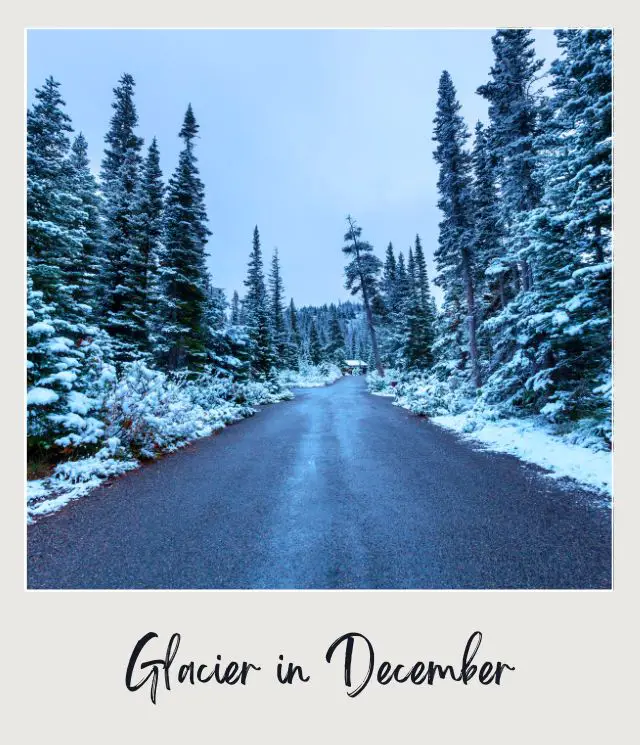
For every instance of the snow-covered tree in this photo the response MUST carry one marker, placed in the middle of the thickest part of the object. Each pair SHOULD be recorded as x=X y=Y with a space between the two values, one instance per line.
x=293 y=339
x=150 y=206
x=234 y=317
x=256 y=310
x=454 y=255
x=565 y=331
x=90 y=261
x=419 y=330
x=513 y=113
x=125 y=304
x=276 y=307
x=183 y=339
x=61 y=235
x=362 y=278
x=315 y=347
x=54 y=237
x=335 y=349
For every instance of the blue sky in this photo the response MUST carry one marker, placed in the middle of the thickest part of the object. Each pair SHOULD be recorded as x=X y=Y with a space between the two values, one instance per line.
x=298 y=128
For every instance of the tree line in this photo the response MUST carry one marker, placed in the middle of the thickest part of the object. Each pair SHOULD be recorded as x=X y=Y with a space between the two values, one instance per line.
x=524 y=255
x=117 y=274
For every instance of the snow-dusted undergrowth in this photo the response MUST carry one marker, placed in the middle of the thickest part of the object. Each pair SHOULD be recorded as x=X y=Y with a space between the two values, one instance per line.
x=577 y=454
x=310 y=376
x=140 y=415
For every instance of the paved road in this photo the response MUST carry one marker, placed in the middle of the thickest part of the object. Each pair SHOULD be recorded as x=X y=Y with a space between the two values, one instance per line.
x=336 y=489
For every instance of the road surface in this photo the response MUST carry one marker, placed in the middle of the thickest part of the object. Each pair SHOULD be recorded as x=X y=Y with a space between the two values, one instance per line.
x=335 y=489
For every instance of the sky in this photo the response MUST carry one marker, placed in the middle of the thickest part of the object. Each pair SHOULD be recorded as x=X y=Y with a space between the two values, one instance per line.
x=297 y=130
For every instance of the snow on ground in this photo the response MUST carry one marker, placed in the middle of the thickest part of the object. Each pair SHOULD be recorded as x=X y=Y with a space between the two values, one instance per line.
x=532 y=442
x=70 y=481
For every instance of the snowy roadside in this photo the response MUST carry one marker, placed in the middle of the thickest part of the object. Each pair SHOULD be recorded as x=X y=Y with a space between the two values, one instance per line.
x=533 y=442
x=152 y=424
x=532 y=439
x=73 y=479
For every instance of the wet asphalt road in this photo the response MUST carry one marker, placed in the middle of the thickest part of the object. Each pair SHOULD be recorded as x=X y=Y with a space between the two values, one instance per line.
x=335 y=489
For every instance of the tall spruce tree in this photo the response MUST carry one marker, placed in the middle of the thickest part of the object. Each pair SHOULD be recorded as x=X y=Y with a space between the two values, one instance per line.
x=234 y=317
x=183 y=339
x=150 y=205
x=293 y=341
x=389 y=346
x=513 y=113
x=419 y=328
x=54 y=241
x=362 y=277
x=256 y=308
x=276 y=306
x=315 y=347
x=388 y=283
x=58 y=329
x=492 y=276
x=335 y=350
x=454 y=257
x=90 y=260
x=422 y=277
x=126 y=318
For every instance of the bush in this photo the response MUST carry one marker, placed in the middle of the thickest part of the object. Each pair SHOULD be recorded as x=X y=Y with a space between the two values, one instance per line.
x=310 y=376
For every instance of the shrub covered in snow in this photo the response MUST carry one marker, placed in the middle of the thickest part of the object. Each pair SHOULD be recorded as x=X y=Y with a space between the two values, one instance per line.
x=422 y=393
x=383 y=384
x=139 y=414
x=310 y=376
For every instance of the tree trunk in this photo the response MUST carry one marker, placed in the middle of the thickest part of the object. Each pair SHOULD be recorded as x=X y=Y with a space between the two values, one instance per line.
x=599 y=249
x=471 y=320
x=367 y=307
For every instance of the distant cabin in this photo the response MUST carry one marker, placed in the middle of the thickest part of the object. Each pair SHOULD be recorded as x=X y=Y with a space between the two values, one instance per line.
x=354 y=367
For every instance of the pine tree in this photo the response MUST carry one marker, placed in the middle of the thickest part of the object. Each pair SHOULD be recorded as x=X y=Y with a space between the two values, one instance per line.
x=221 y=344
x=63 y=241
x=362 y=277
x=293 y=342
x=47 y=351
x=90 y=262
x=278 y=328
x=184 y=338
x=150 y=206
x=125 y=302
x=388 y=283
x=54 y=241
x=335 y=350
x=315 y=348
x=493 y=274
x=397 y=322
x=422 y=278
x=454 y=257
x=513 y=113
x=256 y=307
x=234 y=318
x=419 y=328
x=57 y=317
x=387 y=309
